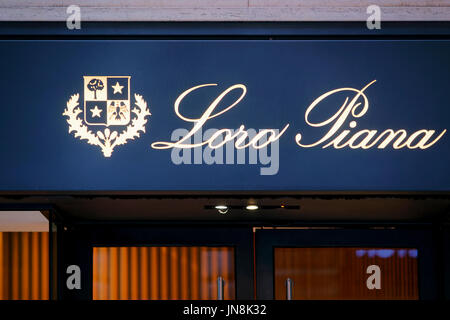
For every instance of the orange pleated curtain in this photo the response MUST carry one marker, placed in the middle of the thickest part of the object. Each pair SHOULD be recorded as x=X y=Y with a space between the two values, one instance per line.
x=24 y=266
x=162 y=273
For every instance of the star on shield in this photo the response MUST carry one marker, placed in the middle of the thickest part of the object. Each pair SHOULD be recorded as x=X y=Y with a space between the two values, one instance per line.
x=107 y=100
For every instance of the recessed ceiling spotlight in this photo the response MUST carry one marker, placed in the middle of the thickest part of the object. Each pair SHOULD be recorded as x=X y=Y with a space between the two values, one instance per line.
x=222 y=208
x=252 y=207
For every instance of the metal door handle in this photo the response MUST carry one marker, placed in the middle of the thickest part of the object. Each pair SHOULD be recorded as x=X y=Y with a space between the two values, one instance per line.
x=289 y=285
x=220 y=284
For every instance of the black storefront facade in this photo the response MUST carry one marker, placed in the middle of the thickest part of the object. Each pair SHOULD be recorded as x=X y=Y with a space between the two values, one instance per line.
x=232 y=160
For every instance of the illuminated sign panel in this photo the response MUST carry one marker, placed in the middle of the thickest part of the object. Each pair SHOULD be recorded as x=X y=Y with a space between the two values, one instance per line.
x=225 y=115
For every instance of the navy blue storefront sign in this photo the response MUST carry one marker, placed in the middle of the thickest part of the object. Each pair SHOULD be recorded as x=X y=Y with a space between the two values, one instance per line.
x=156 y=115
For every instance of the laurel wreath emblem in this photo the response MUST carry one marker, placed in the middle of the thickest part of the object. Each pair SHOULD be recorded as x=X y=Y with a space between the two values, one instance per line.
x=106 y=140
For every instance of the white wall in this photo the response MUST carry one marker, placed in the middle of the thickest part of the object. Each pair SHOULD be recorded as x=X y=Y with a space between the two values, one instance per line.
x=224 y=10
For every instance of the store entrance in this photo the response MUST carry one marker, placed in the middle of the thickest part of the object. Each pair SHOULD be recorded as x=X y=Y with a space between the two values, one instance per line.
x=235 y=263
x=141 y=262
x=164 y=273
x=344 y=264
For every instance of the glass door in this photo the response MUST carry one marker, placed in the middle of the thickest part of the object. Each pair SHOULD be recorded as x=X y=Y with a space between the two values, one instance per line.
x=145 y=262
x=346 y=273
x=308 y=264
x=164 y=273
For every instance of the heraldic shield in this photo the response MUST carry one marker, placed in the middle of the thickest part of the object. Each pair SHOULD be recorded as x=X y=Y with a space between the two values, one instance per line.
x=107 y=100
x=107 y=104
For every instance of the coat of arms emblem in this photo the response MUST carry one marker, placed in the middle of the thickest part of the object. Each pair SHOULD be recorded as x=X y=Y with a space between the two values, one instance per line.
x=108 y=112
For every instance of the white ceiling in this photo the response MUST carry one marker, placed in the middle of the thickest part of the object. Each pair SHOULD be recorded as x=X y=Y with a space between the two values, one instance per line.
x=24 y=221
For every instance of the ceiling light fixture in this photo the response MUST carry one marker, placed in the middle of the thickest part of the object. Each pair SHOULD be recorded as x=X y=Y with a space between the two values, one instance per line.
x=252 y=207
x=222 y=208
